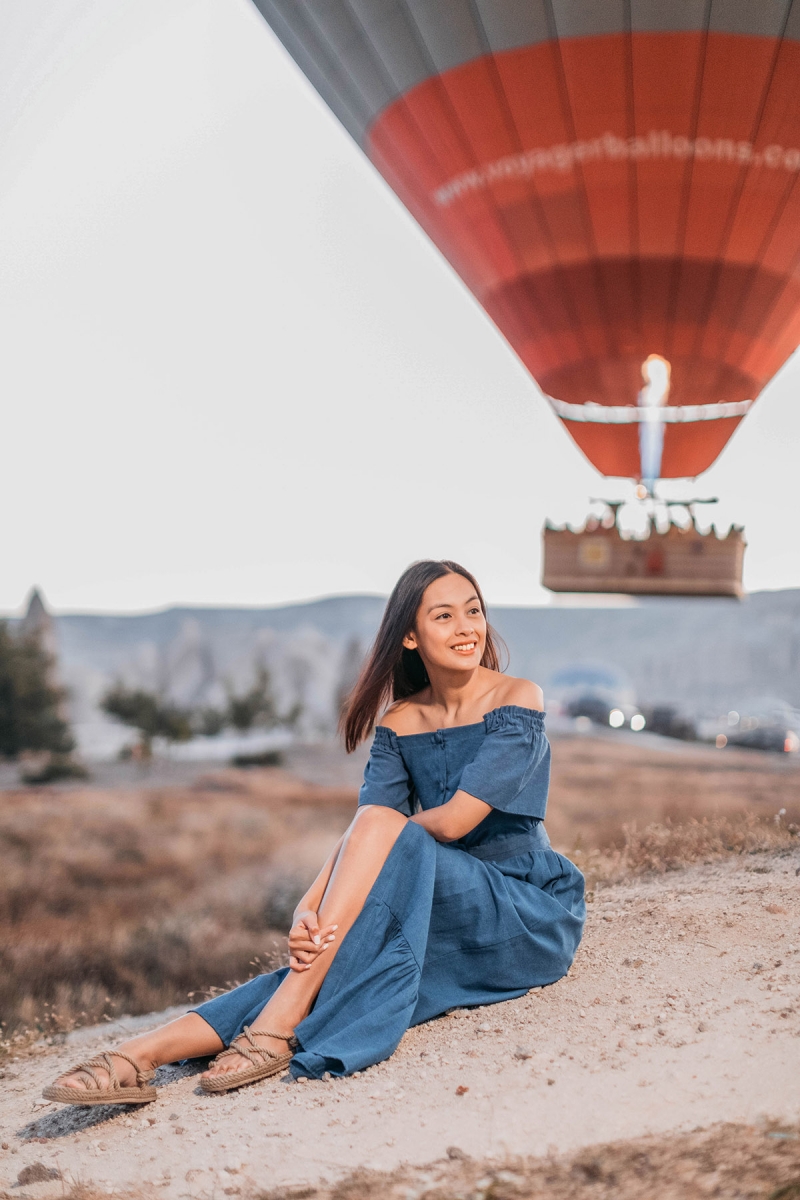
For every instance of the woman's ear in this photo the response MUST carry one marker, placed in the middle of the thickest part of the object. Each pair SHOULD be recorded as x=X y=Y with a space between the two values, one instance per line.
x=410 y=641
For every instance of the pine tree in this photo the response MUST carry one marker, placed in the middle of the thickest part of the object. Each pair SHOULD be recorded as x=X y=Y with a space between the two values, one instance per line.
x=30 y=703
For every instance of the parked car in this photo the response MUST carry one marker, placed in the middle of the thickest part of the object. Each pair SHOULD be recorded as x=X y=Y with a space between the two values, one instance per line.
x=764 y=723
x=597 y=693
x=669 y=721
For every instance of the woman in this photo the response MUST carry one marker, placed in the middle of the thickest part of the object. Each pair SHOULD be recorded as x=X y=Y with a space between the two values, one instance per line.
x=443 y=892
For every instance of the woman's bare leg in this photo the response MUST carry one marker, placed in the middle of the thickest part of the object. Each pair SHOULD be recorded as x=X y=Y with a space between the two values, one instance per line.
x=364 y=851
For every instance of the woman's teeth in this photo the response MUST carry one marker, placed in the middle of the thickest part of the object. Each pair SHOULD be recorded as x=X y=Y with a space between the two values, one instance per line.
x=465 y=647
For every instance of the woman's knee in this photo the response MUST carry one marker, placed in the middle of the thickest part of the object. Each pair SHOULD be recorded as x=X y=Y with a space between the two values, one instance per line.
x=376 y=819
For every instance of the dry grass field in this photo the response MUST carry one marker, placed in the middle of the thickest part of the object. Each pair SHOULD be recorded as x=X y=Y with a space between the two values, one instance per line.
x=619 y=808
x=127 y=900
x=601 y=784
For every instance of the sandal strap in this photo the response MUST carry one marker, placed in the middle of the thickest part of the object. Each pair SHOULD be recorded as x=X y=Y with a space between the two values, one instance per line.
x=105 y=1061
x=142 y=1077
x=261 y=1051
x=85 y=1069
x=255 y=1054
x=243 y=1052
x=289 y=1038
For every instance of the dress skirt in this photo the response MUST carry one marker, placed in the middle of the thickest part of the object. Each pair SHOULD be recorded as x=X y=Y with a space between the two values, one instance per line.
x=440 y=929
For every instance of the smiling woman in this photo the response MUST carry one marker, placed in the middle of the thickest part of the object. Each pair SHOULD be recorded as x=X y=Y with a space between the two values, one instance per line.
x=442 y=893
x=395 y=668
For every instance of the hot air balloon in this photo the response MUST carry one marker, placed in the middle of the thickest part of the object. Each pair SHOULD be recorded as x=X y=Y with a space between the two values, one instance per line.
x=616 y=182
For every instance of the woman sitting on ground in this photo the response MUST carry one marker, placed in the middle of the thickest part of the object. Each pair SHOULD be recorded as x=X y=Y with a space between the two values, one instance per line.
x=442 y=893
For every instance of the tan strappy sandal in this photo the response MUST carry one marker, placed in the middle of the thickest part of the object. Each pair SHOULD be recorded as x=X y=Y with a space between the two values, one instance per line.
x=265 y=1062
x=111 y=1093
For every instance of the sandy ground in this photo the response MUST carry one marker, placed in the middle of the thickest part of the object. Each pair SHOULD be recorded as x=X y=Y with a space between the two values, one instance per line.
x=682 y=1010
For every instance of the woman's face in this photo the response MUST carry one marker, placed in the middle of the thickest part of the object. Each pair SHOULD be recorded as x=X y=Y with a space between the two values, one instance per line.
x=450 y=630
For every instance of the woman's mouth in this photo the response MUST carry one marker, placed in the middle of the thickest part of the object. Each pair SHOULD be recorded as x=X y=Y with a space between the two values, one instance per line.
x=465 y=647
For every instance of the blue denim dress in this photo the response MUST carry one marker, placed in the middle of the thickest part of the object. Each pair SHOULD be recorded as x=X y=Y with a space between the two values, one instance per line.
x=445 y=925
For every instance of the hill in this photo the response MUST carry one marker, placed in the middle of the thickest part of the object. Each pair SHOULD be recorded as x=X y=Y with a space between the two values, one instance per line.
x=705 y=655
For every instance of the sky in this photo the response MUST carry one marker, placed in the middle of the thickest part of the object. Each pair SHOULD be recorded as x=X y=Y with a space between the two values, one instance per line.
x=233 y=371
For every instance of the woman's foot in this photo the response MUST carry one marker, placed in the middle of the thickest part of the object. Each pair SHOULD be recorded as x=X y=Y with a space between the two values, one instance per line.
x=96 y=1081
x=124 y=1074
x=232 y=1062
x=82 y=1081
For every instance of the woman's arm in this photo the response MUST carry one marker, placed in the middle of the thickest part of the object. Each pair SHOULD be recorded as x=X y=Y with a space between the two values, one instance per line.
x=453 y=820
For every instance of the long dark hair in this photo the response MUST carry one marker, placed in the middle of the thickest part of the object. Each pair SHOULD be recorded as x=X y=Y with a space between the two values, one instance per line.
x=391 y=672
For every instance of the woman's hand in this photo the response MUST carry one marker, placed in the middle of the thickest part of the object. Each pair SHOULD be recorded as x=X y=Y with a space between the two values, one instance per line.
x=307 y=940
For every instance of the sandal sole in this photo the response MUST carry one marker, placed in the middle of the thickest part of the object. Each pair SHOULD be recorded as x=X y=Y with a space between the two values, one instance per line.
x=217 y=1084
x=65 y=1095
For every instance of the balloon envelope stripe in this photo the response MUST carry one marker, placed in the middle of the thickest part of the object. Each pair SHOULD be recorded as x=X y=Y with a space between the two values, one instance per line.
x=626 y=414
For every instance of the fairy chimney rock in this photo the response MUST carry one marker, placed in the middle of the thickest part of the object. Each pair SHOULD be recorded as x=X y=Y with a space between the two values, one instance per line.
x=38 y=621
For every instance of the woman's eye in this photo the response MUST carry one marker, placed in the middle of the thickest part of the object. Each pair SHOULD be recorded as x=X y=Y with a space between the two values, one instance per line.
x=442 y=615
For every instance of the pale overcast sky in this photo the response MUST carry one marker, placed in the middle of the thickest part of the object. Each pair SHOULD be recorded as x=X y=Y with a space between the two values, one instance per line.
x=233 y=370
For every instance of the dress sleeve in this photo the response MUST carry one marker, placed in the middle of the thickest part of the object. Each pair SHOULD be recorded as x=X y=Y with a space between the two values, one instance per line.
x=511 y=770
x=386 y=779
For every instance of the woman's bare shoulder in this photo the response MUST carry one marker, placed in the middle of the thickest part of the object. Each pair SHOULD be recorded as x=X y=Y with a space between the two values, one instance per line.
x=521 y=692
x=403 y=716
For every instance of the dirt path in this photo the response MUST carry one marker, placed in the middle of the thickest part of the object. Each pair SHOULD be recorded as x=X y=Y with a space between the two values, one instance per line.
x=682 y=1009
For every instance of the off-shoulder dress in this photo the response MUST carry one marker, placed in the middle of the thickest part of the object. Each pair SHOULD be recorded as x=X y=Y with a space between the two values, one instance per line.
x=446 y=925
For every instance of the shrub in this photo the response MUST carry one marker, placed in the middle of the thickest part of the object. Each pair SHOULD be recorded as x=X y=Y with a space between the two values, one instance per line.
x=148 y=713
